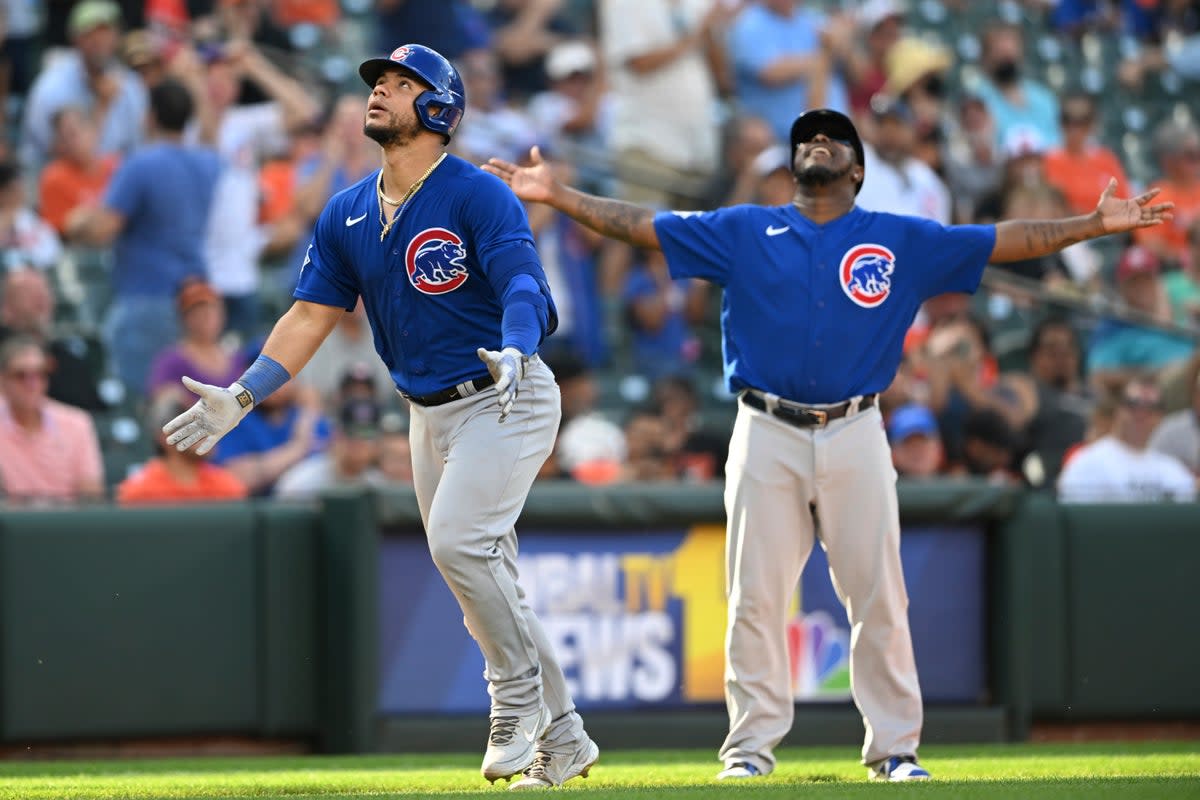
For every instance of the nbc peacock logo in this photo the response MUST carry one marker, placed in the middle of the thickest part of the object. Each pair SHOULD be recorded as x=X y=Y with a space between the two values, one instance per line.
x=819 y=654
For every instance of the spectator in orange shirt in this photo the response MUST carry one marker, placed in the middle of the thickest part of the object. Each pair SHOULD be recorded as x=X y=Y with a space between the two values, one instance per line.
x=276 y=185
x=50 y=451
x=1080 y=169
x=79 y=173
x=1177 y=145
x=322 y=13
x=172 y=476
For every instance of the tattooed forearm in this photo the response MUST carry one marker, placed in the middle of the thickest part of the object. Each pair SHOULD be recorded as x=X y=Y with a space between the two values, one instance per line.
x=1050 y=236
x=614 y=218
x=1021 y=239
x=1046 y=236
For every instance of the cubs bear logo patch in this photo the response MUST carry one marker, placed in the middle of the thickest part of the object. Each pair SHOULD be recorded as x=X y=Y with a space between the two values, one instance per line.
x=434 y=261
x=866 y=274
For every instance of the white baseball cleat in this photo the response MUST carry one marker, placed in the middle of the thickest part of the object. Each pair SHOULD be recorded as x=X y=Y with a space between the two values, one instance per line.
x=549 y=770
x=740 y=769
x=898 y=768
x=512 y=743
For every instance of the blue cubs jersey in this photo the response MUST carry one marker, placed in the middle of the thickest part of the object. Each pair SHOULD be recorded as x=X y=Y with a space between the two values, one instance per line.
x=432 y=287
x=818 y=313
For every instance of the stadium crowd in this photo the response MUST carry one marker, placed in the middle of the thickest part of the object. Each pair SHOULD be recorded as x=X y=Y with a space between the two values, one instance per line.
x=163 y=163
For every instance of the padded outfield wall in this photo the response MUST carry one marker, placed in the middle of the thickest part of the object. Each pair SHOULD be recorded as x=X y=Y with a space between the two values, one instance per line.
x=328 y=624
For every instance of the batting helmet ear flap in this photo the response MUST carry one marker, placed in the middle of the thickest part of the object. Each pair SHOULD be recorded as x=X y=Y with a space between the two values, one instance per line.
x=440 y=111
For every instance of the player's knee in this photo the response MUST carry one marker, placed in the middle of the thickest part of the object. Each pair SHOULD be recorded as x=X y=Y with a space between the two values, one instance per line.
x=446 y=554
x=749 y=609
x=454 y=559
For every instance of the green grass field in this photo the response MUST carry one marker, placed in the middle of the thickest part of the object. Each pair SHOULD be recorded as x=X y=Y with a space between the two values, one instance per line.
x=1158 y=770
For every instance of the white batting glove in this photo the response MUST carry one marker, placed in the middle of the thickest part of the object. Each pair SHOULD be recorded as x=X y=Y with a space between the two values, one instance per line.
x=508 y=368
x=215 y=414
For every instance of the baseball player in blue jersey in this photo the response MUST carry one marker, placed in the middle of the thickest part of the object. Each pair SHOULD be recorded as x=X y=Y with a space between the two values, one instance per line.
x=443 y=258
x=818 y=295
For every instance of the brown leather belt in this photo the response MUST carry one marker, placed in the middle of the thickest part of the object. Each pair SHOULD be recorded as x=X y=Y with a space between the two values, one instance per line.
x=806 y=416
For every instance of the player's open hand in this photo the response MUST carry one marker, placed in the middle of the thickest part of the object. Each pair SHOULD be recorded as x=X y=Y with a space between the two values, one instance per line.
x=508 y=368
x=1124 y=214
x=535 y=182
x=214 y=415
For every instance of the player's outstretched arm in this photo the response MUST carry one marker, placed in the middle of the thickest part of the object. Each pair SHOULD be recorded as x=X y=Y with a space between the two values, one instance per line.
x=615 y=219
x=1017 y=240
x=293 y=340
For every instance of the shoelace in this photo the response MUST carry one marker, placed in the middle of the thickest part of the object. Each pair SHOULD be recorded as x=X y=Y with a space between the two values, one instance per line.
x=503 y=729
x=538 y=768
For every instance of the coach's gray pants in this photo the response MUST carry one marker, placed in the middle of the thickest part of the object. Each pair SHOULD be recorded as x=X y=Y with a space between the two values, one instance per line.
x=472 y=475
x=775 y=474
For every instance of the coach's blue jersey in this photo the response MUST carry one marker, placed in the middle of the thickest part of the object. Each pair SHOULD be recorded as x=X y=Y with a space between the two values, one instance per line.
x=818 y=313
x=432 y=287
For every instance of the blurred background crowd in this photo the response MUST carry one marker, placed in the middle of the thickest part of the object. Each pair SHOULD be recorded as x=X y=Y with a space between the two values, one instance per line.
x=162 y=163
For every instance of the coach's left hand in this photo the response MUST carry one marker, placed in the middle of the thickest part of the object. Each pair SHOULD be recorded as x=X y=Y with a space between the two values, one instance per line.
x=508 y=368
x=1124 y=214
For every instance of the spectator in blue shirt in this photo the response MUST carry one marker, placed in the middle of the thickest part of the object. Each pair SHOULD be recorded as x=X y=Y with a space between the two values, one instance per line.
x=282 y=431
x=154 y=214
x=88 y=77
x=780 y=64
x=1022 y=108
x=661 y=312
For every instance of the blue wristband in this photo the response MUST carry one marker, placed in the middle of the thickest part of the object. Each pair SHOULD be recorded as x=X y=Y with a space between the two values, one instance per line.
x=264 y=376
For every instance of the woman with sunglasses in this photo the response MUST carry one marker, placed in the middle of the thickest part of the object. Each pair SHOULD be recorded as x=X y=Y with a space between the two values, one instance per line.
x=49 y=453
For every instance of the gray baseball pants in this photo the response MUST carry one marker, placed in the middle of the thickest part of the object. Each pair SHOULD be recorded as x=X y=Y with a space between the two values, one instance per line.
x=472 y=474
x=777 y=474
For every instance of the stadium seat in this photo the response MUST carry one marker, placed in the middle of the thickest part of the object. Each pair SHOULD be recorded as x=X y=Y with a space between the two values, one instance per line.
x=124 y=443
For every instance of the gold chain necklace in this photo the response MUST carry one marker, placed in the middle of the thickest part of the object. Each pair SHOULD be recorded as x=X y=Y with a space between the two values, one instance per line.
x=403 y=201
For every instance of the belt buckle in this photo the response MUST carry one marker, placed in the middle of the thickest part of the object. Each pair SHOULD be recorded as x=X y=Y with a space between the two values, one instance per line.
x=822 y=416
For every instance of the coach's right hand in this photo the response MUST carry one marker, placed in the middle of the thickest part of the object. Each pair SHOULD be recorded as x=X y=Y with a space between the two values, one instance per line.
x=214 y=415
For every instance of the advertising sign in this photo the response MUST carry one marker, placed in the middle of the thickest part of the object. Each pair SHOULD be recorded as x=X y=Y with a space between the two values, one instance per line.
x=637 y=619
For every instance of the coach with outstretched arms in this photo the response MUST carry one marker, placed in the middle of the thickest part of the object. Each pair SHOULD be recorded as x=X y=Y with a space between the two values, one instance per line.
x=818 y=295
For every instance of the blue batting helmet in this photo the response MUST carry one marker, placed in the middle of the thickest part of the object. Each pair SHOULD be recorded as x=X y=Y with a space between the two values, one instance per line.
x=439 y=109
